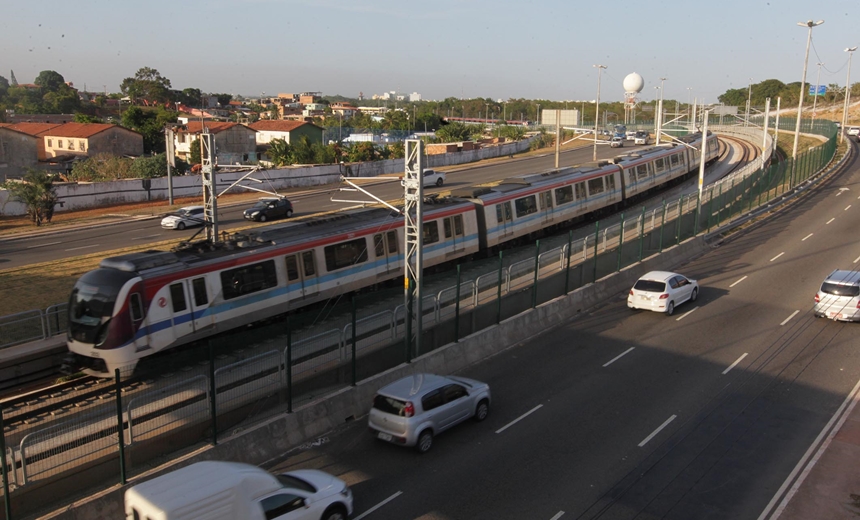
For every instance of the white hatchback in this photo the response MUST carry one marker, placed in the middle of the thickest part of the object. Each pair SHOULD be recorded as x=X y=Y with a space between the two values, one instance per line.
x=662 y=291
x=183 y=218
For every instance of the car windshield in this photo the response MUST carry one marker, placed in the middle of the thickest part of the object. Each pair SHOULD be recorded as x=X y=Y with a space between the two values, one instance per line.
x=388 y=405
x=650 y=286
x=837 y=289
x=184 y=212
x=262 y=204
x=289 y=481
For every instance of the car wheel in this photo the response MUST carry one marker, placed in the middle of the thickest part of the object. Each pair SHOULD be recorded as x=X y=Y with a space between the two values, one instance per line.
x=180 y=226
x=694 y=295
x=482 y=411
x=289 y=213
x=262 y=218
x=425 y=441
x=670 y=308
x=334 y=513
x=439 y=182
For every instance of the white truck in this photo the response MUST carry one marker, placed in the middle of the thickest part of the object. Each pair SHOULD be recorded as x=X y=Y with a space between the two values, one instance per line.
x=215 y=490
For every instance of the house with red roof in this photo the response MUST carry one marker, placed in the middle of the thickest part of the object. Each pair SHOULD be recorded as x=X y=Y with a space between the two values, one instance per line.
x=286 y=130
x=235 y=143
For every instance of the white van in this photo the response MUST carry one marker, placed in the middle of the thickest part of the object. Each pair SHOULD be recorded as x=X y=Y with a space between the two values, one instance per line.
x=215 y=490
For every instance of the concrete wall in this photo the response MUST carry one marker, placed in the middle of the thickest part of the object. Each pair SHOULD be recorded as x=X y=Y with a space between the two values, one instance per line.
x=116 y=141
x=75 y=196
x=274 y=437
x=18 y=151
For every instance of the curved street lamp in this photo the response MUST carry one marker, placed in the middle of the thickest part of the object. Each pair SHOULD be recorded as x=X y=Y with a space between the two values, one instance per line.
x=850 y=51
x=810 y=24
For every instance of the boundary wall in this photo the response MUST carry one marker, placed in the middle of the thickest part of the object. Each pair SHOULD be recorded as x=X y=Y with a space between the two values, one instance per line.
x=81 y=195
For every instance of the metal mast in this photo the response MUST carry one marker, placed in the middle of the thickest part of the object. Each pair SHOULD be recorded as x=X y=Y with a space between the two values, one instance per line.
x=413 y=195
x=210 y=193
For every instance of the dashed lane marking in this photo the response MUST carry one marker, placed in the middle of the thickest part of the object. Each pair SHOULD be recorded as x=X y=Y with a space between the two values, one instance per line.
x=658 y=430
x=793 y=314
x=520 y=418
x=777 y=256
x=739 y=281
x=733 y=365
x=619 y=356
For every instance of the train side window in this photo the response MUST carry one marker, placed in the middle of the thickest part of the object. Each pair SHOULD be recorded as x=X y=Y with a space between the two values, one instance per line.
x=345 y=254
x=508 y=215
x=431 y=232
x=660 y=164
x=631 y=175
x=500 y=215
x=292 y=268
x=642 y=171
x=379 y=245
x=525 y=206
x=546 y=200
x=198 y=285
x=136 y=307
x=610 y=182
x=392 y=242
x=579 y=187
x=458 y=225
x=309 y=264
x=564 y=195
x=249 y=279
x=595 y=186
x=675 y=159
x=177 y=296
x=448 y=229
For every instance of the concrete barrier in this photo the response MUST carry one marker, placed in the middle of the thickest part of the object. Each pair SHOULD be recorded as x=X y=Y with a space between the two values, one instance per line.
x=272 y=438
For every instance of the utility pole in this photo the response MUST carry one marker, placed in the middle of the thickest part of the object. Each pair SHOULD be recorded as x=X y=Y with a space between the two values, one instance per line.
x=210 y=191
x=171 y=161
x=850 y=51
x=597 y=109
x=413 y=265
x=815 y=97
x=810 y=24
x=660 y=112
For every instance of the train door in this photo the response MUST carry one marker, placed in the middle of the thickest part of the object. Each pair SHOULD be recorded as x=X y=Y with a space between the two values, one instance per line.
x=610 y=187
x=545 y=199
x=505 y=219
x=454 y=232
x=385 y=245
x=200 y=303
x=137 y=317
x=581 y=197
x=183 y=324
x=302 y=275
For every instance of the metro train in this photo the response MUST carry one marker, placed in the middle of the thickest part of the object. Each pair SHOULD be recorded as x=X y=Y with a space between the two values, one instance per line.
x=138 y=304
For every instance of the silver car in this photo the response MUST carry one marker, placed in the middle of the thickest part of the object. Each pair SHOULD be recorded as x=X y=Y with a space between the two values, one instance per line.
x=839 y=296
x=412 y=410
x=662 y=291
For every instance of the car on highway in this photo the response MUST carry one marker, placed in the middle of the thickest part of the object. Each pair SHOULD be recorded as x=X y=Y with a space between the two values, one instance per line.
x=662 y=291
x=413 y=410
x=433 y=178
x=642 y=138
x=616 y=142
x=839 y=296
x=630 y=135
x=184 y=217
x=269 y=208
x=854 y=130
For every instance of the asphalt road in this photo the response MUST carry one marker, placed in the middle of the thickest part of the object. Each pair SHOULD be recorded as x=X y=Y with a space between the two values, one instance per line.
x=622 y=414
x=16 y=252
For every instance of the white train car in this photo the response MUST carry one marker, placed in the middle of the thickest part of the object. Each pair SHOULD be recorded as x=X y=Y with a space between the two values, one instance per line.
x=138 y=304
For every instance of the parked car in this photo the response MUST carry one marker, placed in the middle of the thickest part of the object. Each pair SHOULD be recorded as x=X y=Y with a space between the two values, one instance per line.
x=216 y=490
x=269 y=208
x=839 y=296
x=662 y=291
x=184 y=217
x=616 y=142
x=413 y=410
x=642 y=138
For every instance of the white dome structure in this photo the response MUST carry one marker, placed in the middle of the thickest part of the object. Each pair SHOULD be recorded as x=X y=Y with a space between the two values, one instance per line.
x=633 y=83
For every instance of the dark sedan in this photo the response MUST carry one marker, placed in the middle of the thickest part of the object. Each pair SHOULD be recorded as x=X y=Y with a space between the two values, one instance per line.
x=269 y=208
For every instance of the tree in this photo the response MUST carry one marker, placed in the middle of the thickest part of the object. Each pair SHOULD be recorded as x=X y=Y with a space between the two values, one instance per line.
x=49 y=80
x=279 y=152
x=36 y=191
x=194 y=157
x=150 y=123
x=148 y=84
x=101 y=167
x=302 y=151
x=4 y=86
x=190 y=96
x=86 y=118
x=64 y=100
x=454 y=132
x=224 y=99
x=150 y=167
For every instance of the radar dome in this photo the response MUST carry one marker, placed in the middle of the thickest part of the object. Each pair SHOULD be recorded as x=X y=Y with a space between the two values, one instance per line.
x=634 y=83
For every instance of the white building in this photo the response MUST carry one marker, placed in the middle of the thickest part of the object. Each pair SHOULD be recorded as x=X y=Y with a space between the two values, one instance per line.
x=415 y=96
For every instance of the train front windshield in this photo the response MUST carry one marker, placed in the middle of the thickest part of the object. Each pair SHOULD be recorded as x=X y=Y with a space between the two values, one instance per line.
x=92 y=301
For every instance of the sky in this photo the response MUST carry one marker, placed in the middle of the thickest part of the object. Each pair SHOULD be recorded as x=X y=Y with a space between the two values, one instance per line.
x=499 y=49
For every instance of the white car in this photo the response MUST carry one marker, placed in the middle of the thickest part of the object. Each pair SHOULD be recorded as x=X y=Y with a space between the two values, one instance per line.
x=183 y=218
x=642 y=138
x=662 y=291
x=433 y=178
x=616 y=142
x=854 y=130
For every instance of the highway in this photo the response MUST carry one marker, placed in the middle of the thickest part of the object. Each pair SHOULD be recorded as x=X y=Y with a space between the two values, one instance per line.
x=622 y=414
x=17 y=252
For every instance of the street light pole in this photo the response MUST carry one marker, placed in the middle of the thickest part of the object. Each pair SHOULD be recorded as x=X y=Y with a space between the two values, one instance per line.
x=660 y=113
x=749 y=102
x=689 y=104
x=656 y=112
x=815 y=97
x=850 y=51
x=537 y=115
x=810 y=24
x=597 y=108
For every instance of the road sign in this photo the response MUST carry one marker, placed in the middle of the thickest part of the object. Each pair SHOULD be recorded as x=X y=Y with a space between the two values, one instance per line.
x=822 y=89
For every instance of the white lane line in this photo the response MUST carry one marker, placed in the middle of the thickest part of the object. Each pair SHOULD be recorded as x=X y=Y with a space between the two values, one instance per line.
x=557 y=515
x=733 y=365
x=655 y=432
x=831 y=220
x=807 y=236
x=847 y=207
x=838 y=193
x=43 y=245
x=377 y=506
x=147 y=236
x=518 y=419
x=739 y=281
x=777 y=256
x=691 y=311
x=857 y=259
x=83 y=247
x=793 y=314
x=619 y=356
